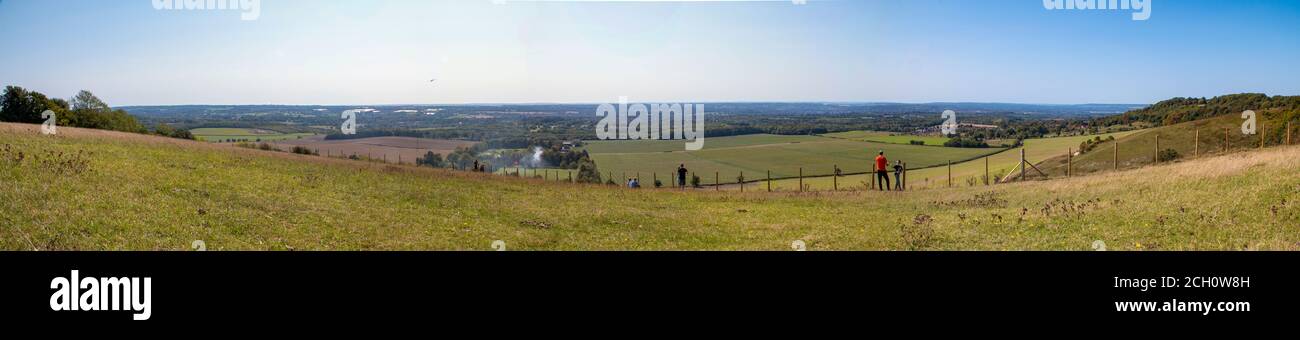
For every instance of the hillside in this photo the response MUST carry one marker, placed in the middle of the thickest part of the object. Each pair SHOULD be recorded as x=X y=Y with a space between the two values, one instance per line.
x=1139 y=148
x=89 y=189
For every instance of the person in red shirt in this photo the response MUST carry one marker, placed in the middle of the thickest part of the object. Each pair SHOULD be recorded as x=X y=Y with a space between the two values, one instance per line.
x=882 y=172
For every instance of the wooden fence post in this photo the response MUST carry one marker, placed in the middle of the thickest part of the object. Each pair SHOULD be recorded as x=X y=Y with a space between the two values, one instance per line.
x=949 y=174
x=1116 y=154
x=741 y=180
x=1288 y=133
x=769 y=181
x=1196 y=144
x=717 y=181
x=1156 y=158
x=656 y=178
x=835 y=179
x=800 y=179
x=570 y=176
x=1262 y=132
x=904 y=176
x=986 y=171
x=1069 y=161
x=1225 y=140
x=1023 y=171
x=872 y=174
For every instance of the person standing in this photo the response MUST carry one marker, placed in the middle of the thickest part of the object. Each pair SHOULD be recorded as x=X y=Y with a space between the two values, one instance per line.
x=882 y=172
x=681 y=176
x=898 y=175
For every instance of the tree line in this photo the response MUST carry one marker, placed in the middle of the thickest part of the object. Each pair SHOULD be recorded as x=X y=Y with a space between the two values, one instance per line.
x=83 y=110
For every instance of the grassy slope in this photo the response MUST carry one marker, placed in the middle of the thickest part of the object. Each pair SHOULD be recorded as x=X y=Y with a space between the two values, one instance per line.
x=1036 y=150
x=153 y=193
x=1139 y=149
x=817 y=156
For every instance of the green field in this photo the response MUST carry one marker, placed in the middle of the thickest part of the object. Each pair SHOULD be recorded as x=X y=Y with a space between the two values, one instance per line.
x=1036 y=150
x=639 y=146
x=135 y=192
x=727 y=157
x=243 y=134
x=888 y=137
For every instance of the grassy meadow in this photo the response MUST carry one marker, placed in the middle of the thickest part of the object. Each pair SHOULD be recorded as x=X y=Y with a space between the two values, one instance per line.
x=251 y=135
x=756 y=154
x=97 y=190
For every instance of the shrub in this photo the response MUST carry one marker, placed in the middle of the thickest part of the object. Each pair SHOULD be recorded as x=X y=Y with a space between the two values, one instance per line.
x=963 y=142
x=695 y=181
x=1168 y=155
x=917 y=142
x=301 y=150
x=431 y=159
x=659 y=184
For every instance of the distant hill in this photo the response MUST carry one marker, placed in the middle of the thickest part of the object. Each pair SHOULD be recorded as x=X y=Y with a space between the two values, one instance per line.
x=587 y=109
x=1181 y=110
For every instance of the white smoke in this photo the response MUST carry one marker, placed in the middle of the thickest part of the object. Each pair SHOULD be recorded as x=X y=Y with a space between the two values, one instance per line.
x=537 y=157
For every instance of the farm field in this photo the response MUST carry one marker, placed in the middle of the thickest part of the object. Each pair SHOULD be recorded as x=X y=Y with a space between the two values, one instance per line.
x=242 y=134
x=119 y=191
x=754 y=155
x=393 y=149
x=640 y=146
x=888 y=137
x=1036 y=150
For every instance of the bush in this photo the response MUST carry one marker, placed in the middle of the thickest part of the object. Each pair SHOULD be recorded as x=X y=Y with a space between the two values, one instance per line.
x=301 y=150
x=266 y=147
x=695 y=181
x=431 y=159
x=1167 y=155
x=659 y=184
x=963 y=142
x=917 y=142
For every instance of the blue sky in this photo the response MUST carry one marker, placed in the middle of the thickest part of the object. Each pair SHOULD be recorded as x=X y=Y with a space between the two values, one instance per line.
x=385 y=52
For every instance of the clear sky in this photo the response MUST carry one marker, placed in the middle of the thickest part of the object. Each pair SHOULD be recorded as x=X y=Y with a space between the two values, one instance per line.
x=386 y=52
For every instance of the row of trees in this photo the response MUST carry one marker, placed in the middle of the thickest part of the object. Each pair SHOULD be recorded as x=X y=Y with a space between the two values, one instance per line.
x=84 y=110
x=467 y=157
x=1179 y=110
